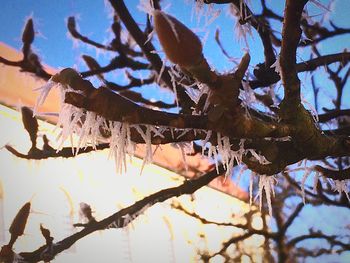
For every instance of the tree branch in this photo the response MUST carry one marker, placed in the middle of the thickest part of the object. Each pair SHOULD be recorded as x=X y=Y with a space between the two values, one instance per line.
x=123 y=217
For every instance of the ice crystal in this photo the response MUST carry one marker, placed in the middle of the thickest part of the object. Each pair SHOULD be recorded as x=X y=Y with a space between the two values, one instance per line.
x=207 y=137
x=147 y=137
x=120 y=143
x=316 y=178
x=185 y=148
x=44 y=92
x=312 y=109
x=17 y=258
x=251 y=181
x=146 y=6
x=241 y=30
x=127 y=218
x=342 y=187
x=247 y=96
x=320 y=5
x=266 y=184
x=69 y=120
x=173 y=76
x=303 y=180
x=277 y=66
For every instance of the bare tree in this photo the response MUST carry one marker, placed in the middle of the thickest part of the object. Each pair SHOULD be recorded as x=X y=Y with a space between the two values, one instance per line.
x=266 y=135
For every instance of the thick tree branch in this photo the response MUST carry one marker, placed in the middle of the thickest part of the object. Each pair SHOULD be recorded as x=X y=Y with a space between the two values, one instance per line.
x=291 y=34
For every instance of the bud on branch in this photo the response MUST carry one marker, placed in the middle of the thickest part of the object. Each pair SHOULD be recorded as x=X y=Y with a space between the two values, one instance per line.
x=180 y=44
x=20 y=221
x=28 y=32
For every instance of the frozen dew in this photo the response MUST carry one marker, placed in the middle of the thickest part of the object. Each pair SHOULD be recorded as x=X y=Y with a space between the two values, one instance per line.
x=69 y=120
x=277 y=66
x=251 y=182
x=316 y=179
x=120 y=143
x=312 y=109
x=149 y=37
x=248 y=94
x=17 y=258
x=303 y=180
x=342 y=187
x=239 y=176
x=320 y=5
x=146 y=6
x=241 y=30
x=185 y=148
x=260 y=158
x=147 y=137
x=206 y=140
x=44 y=92
x=173 y=76
x=266 y=184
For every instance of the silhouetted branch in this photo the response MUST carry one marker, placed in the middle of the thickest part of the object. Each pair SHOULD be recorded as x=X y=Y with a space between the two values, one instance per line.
x=124 y=216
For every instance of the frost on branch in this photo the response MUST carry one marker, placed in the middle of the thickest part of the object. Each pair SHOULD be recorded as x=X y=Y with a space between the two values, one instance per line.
x=90 y=128
x=342 y=187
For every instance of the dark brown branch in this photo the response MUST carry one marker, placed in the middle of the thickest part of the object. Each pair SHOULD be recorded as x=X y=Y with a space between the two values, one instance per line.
x=137 y=97
x=267 y=76
x=334 y=174
x=333 y=114
x=291 y=218
x=66 y=152
x=312 y=64
x=116 y=63
x=318 y=235
x=71 y=25
x=149 y=51
x=134 y=82
x=261 y=26
x=291 y=34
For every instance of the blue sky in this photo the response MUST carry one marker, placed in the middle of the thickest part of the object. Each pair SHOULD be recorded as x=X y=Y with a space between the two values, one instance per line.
x=55 y=48
x=93 y=19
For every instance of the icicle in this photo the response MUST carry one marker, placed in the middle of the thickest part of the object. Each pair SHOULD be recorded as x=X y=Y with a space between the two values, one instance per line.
x=320 y=5
x=207 y=137
x=69 y=120
x=251 y=180
x=342 y=186
x=212 y=153
x=247 y=96
x=85 y=131
x=277 y=66
x=44 y=92
x=182 y=147
x=303 y=180
x=146 y=6
x=146 y=136
x=120 y=143
x=266 y=183
x=243 y=169
x=173 y=83
x=316 y=178
x=185 y=131
x=312 y=109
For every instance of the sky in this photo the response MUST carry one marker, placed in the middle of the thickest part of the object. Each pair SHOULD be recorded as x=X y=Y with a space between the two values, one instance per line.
x=59 y=51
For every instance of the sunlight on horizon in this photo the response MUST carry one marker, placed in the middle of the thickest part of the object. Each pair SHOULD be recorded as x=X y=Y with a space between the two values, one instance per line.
x=56 y=187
